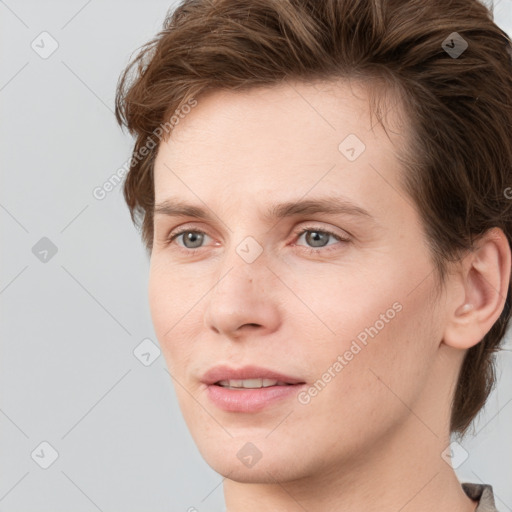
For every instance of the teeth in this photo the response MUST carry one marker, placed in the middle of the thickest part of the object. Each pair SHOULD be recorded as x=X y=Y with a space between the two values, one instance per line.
x=250 y=383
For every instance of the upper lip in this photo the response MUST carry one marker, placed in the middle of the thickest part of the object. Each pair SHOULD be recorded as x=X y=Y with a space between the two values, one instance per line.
x=223 y=372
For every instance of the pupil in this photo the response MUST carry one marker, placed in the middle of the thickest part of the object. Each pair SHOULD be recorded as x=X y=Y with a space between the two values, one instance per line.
x=190 y=238
x=315 y=235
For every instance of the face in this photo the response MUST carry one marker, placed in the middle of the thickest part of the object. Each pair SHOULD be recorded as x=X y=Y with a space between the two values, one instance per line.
x=339 y=300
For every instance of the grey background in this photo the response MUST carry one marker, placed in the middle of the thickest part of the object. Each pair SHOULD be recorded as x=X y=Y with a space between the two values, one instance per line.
x=70 y=325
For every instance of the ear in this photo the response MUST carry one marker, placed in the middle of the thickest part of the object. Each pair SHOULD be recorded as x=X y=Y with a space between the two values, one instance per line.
x=484 y=276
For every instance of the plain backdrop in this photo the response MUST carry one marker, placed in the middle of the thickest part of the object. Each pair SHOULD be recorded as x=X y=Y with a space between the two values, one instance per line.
x=88 y=423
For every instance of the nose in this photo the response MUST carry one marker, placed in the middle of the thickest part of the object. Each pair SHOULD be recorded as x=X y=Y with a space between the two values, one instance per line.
x=244 y=300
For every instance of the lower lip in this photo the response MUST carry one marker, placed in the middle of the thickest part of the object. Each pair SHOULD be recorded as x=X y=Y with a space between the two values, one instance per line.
x=250 y=400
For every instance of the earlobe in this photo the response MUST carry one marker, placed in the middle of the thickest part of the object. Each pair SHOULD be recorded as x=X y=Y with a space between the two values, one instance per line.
x=485 y=277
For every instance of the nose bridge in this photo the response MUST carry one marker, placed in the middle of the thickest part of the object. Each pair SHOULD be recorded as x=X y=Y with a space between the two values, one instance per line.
x=241 y=294
x=242 y=270
x=244 y=251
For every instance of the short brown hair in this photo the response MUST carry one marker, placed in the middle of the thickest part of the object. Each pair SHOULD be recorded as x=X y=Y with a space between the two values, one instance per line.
x=459 y=163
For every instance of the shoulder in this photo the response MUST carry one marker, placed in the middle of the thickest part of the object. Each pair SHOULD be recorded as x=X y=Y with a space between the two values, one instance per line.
x=482 y=493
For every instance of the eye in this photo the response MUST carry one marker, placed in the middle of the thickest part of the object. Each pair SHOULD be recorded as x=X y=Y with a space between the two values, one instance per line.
x=192 y=239
x=318 y=237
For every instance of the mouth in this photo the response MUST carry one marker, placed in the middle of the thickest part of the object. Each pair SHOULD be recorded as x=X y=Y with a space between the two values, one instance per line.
x=247 y=377
x=251 y=383
x=249 y=389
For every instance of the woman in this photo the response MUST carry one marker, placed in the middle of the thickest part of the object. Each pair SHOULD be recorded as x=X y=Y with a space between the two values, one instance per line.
x=328 y=289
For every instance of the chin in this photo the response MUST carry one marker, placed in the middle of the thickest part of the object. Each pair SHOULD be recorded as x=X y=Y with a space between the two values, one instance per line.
x=262 y=473
x=257 y=461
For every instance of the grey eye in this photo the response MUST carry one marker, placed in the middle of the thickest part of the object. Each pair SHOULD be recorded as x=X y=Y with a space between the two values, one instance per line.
x=317 y=238
x=193 y=237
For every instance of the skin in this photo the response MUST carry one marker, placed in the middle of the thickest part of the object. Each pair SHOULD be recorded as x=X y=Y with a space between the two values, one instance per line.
x=372 y=439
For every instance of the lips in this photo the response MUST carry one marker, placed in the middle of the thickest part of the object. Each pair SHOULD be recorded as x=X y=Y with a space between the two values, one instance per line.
x=225 y=373
x=239 y=399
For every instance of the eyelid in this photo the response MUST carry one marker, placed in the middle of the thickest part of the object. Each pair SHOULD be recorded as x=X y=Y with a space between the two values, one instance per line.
x=315 y=227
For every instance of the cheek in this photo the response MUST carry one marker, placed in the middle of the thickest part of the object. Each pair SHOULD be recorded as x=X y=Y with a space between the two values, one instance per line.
x=383 y=376
x=172 y=292
x=171 y=309
x=160 y=304
x=385 y=341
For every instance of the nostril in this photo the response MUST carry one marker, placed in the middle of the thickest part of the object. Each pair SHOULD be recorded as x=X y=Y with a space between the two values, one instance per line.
x=245 y=326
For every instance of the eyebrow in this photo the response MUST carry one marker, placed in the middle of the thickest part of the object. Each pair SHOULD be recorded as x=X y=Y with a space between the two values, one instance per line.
x=329 y=205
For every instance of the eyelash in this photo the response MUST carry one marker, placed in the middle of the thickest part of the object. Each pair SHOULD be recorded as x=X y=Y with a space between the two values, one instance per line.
x=311 y=250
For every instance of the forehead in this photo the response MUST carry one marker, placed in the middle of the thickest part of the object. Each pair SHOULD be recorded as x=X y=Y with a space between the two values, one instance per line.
x=319 y=135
